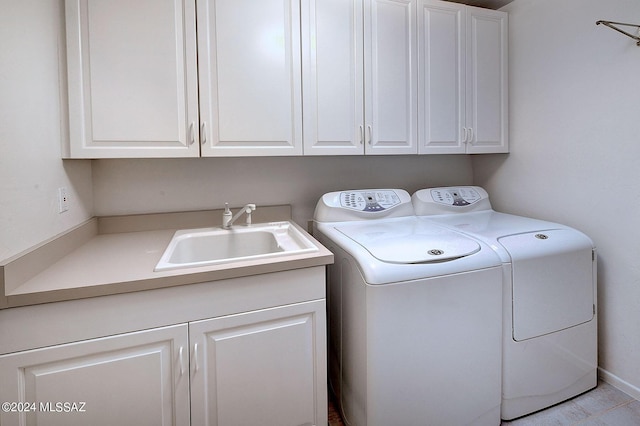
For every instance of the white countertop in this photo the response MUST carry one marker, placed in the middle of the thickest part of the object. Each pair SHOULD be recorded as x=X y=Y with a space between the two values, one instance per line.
x=121 y=262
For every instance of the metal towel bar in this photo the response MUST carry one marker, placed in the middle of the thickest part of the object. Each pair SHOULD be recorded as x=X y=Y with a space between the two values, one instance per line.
x=612 y=25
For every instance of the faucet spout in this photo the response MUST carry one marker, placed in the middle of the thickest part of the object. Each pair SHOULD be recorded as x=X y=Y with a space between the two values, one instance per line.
x=227 y=219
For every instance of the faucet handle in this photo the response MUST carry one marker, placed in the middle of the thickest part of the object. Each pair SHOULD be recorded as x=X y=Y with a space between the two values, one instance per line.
x=249 y=208
x=226 y=216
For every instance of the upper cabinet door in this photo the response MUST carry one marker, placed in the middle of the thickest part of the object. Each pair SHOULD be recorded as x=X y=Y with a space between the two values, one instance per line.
x=250 y=77
x=463 y=79
x=332 y=61
x=391 y=76
x=132 y=78
x=487 y=99
x=441 y=101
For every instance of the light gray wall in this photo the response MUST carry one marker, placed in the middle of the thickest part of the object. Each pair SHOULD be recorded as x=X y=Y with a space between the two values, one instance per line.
x=141 y=186
x=575 y=150
x=30 y=129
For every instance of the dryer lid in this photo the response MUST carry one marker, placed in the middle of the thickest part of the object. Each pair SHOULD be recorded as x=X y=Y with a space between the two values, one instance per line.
x=553 y=281
x=410 y=241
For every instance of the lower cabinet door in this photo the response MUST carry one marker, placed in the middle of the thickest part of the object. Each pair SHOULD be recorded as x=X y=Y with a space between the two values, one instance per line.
x=265 y=368
x=138 y=378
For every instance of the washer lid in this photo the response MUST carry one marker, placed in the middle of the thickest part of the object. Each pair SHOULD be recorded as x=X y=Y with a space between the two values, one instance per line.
x=410 y=241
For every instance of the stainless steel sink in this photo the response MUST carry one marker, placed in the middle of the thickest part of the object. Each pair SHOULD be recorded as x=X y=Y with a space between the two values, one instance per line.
x=211 y=246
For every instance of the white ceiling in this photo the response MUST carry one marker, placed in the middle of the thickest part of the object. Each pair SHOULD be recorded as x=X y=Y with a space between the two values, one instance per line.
x=489 y=4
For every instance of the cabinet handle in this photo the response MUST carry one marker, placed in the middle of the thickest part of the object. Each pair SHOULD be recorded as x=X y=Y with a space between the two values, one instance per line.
x=370 y=131
x=203 y=133
x=465 y=135
x=191 y=135
x=195 y=356
x=361 y=135
x=470 y=134
x=181 y=362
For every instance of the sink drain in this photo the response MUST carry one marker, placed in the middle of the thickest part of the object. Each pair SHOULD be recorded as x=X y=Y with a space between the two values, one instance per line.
x=435 y=252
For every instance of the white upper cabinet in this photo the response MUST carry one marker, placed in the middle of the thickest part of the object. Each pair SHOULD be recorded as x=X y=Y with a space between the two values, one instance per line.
x=463 y=79
x=441 y=102
x=333 y=60
x=132 y=78
x=250 y=77
x=391 y=76
x=371 y=76
x=487 y=79
x=360 y=76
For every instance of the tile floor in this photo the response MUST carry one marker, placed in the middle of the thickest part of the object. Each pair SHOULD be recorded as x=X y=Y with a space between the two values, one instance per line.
x=603 y=406
x=334 y=417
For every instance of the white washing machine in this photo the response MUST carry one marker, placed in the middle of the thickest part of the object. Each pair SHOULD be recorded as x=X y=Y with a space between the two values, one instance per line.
x=550 y=322
x=414 y=312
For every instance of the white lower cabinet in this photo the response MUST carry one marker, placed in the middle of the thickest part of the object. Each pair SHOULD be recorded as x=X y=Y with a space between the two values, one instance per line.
x=257 y=368
x=263 y=367
x=129 y=379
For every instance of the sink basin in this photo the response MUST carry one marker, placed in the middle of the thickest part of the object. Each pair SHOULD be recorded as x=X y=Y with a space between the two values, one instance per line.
x=211 y=246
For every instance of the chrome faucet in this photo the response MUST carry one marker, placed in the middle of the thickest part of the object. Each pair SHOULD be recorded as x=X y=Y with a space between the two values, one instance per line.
x=227 y=219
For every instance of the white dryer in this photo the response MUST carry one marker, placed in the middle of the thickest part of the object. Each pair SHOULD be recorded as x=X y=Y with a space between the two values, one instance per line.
x=414 y=312
x=550 y=322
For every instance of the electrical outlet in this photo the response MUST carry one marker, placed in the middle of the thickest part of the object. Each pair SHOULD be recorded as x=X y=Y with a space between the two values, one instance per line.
x=63 y=200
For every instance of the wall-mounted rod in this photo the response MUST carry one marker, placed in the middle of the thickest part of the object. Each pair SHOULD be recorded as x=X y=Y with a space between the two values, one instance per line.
x=612 y=25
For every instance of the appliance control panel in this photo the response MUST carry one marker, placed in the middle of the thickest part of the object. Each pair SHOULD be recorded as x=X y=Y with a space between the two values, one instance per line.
x=369 y=201
x=455 y=196
x=363 y=204
x=450 y=200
